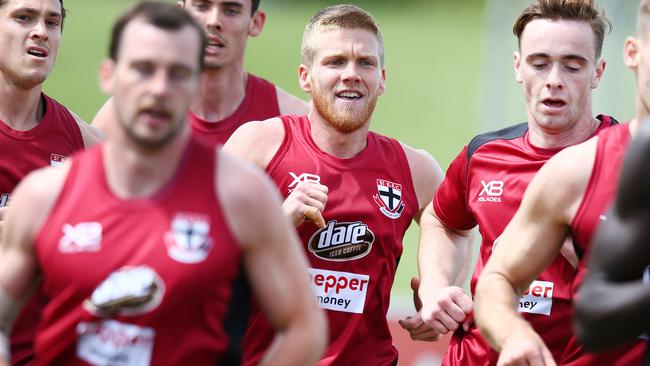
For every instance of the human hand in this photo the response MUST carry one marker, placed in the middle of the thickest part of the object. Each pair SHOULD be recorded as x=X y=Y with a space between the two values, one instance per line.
x=447 y=309
x=524 y=347
x=306 y=202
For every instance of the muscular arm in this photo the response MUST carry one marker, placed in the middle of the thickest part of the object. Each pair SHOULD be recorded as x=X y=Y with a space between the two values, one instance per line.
x=613 y=301
x=90 y=134
x=276 y=266
x=258 y=142
x=31 y=202
x=529 y=244
x=104 y=118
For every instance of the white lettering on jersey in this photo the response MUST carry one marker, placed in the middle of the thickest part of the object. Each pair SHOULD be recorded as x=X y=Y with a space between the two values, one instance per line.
x=339 y=291
x=538 y=299
x=491 y=191
x=81 y=237
x=113 y=343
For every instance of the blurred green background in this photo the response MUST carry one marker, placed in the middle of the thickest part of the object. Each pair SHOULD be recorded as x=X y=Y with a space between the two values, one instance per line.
x=448 y=64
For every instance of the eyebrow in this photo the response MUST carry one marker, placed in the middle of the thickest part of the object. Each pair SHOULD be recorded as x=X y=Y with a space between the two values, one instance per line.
x=33 y=11
x=570 y=57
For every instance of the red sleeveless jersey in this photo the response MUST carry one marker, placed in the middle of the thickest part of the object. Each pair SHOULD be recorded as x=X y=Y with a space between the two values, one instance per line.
x=260 y=103
x=51 y=142
x=170 y=261
x=484 y=186
x=371 y=203
x=600 y=194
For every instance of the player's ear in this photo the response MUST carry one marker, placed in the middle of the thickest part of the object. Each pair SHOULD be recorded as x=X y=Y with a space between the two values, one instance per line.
x=382 y=82
x=631 y=53
x=517 y=66
x=257 y=23
x=303 y=78
x=598 y=74
x=106 y=76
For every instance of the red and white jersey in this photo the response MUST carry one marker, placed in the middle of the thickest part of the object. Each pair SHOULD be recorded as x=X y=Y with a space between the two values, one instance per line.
x=484 y=186
x=599 y=195
x=141 y=281
x=371 y=202
x=51 y=142
x=260 y=103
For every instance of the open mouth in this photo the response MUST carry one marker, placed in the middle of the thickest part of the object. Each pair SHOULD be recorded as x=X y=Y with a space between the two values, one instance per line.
x=37 y=52
x=349 y=95
x=553 y=103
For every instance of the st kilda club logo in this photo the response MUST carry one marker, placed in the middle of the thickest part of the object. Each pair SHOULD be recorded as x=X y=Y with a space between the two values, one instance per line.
x=342 y=241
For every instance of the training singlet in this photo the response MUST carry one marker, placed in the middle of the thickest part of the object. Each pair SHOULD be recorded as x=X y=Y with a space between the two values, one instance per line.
x=484 y=186
x=599 y=195
x=371 y=202
x=260 y=103
x=51 y=142
x=141 y=281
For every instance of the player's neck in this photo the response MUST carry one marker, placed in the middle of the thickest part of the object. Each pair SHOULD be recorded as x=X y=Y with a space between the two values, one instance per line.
x=580 y=131
x=20 y=109
x=220 y=93
x=332 y=141
x=133 y=172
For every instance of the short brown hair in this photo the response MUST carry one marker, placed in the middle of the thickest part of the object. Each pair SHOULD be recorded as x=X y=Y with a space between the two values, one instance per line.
x=343 y=16
x=161 y=15
x=581 y=10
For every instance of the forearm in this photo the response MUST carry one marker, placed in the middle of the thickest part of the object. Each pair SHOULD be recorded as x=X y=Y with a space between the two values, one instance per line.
x=444 y=257
x=302 y=343
x=495 y=309
x=609 y=314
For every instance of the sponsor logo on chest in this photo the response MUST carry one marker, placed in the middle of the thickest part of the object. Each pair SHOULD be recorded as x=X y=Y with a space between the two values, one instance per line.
x=342 y=241
x=188 y=240
x=538 y=299
x=112 y=343
x=389 y=198
x=58 y=160
x=303 y=177
x=339 y=291
x=81 y=237
x=128 y=291
x=491 y=191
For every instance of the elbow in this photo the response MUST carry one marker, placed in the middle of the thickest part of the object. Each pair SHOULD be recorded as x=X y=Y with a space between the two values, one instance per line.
x=591 y=320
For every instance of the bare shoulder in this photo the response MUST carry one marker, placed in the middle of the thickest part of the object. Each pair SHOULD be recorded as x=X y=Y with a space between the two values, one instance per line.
x=33 y=199
x=90 y=134
x=247 y=195
x=425 y=171
x=290 y=104
x=561 y=183
x=256 y=141
x=104 y=117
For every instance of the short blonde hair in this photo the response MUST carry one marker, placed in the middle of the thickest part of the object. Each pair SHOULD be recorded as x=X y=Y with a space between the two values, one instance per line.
x=343 y=16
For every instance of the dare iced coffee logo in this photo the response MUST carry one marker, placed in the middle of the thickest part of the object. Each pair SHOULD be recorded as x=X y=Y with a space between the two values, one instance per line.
x=538 y=299
x=342 y=241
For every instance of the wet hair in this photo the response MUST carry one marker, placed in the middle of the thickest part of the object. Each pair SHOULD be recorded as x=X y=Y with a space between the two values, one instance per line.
x=63 y=11
x=343 y=16
x=255 y=4
x=580 y=10
x=161 y=15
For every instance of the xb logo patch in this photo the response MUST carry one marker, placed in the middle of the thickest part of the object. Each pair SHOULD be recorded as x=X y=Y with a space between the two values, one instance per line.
x=492 y=189
x=303 y=177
